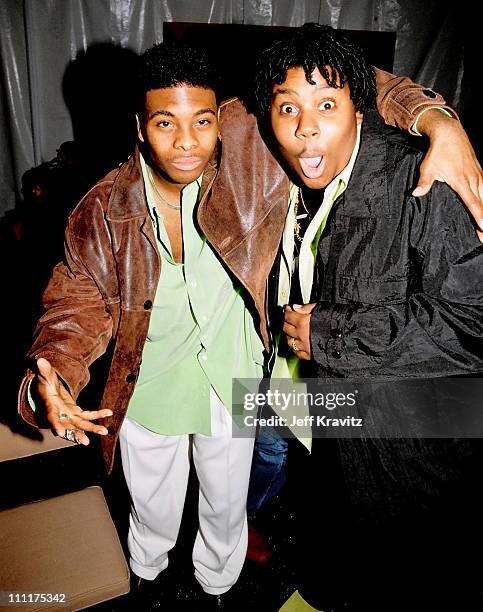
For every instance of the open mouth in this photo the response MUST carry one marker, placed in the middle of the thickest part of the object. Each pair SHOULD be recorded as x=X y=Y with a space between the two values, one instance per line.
x=312 y=167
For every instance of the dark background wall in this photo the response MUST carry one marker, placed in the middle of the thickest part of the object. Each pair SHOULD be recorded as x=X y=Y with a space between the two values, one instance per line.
x=44 y=42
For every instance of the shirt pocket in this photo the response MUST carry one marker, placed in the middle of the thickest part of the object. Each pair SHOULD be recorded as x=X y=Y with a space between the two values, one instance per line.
x=375 y=291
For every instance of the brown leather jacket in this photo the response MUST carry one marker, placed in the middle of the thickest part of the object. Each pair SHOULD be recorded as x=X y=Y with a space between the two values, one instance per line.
x=105 y=289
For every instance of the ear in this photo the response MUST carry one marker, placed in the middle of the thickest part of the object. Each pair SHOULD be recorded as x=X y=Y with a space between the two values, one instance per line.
x=218 y=118
x=138 y=126
x=359 y=117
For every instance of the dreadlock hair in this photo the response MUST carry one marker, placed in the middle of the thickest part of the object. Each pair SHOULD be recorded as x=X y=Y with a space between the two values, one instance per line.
x=168 y=65
x=311 y=46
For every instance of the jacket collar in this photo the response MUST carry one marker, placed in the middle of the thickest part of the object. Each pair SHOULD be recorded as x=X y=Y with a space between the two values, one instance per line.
x=251 y=188
x=128 y=197
x=367 y=191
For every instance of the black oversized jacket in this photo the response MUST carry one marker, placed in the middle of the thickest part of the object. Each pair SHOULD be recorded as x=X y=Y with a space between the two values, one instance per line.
x=399 y=283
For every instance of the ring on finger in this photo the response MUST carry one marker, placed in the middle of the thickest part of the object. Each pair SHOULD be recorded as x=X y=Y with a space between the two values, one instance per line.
x=63 y=416
x=70 y=435
x=295 y=348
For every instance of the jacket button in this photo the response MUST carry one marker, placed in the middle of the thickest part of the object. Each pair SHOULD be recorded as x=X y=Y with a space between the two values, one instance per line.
x=336 y=354
x=429 y=93
x=130 y=378
x=147 y=304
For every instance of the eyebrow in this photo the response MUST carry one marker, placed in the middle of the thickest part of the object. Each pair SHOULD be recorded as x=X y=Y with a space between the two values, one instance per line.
x=202 y=111
x=287 y=90
x=166 y=113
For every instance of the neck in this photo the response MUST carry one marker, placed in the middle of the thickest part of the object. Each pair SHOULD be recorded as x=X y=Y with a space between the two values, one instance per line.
x=171 y=192
x=161 y=199
x=312 y=198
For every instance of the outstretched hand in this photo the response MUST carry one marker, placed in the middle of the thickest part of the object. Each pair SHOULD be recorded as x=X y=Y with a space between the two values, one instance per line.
x=451 y=159
x=62 y=412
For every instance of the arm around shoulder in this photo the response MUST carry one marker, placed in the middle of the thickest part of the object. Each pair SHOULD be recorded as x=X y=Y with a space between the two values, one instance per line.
x=400 y=101
x=450 y=157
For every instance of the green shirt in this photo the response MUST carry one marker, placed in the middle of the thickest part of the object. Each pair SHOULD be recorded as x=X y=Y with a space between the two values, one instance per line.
x=200 y=333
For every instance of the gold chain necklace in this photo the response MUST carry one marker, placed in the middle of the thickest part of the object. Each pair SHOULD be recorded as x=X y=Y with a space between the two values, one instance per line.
x=298 y=197
x=162 y=200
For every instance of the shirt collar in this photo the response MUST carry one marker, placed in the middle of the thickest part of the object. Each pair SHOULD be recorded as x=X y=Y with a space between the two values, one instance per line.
x=342 y=179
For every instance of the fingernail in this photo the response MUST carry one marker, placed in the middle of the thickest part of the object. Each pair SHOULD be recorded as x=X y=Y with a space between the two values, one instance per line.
x=297 y=306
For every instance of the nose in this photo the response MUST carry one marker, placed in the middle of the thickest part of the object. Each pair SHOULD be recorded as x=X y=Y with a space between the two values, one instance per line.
x=307 y=126
x=186 y=139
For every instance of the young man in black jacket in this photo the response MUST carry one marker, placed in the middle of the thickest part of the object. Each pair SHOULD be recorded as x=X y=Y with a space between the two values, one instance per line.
x=375 y=283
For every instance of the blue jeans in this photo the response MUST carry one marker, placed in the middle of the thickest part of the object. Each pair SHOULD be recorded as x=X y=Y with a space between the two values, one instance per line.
x=268 y=473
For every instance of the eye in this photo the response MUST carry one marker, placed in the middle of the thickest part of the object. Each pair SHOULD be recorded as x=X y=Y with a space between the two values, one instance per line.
x=327 y=105
x=288 y=109
x=163 y=124
x=204 y=122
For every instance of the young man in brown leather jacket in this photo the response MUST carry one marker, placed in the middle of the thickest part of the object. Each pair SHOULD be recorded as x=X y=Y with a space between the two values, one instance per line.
x=107 y=288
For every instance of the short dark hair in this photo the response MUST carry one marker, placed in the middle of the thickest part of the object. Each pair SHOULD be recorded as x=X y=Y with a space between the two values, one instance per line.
x=312 y=45
x=173 y=64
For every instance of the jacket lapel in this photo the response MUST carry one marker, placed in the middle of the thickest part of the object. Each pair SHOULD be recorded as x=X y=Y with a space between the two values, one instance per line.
x=367 y=192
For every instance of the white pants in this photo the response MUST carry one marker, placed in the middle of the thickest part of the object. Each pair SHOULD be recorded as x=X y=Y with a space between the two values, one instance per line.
x=156 y=469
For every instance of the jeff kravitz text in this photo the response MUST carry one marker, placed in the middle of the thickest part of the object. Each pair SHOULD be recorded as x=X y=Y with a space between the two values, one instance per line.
x=309 y=420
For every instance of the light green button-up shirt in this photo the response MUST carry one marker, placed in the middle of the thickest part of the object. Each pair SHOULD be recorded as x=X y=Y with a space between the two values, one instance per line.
x=200 y=333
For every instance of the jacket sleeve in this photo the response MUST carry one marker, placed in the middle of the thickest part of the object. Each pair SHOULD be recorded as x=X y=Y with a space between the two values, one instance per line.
x=400 y=101
x=437 y=331
x=77 y=324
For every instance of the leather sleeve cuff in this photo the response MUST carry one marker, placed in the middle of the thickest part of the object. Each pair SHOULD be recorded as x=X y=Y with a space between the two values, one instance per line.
x=414 y=128
x=73 y=374
x=24 y=408
x=412 y=101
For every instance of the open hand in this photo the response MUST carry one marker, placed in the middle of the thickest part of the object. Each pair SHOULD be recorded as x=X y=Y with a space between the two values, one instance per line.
x=66 y=418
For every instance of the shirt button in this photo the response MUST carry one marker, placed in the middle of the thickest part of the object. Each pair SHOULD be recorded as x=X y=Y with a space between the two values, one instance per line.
x=194 y=283
x=204 y=357
x=336 y=354
x=284 y=295
x=130 y=378
x=147 y=305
